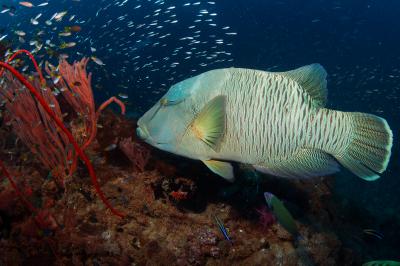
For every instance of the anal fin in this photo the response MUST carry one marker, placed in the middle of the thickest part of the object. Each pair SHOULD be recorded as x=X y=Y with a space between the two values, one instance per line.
x=304 y=164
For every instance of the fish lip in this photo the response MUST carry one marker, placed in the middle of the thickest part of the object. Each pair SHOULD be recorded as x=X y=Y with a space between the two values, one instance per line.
x=142 y=133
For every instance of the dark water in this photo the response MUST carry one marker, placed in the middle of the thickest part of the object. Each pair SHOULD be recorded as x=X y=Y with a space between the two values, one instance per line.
x=155 y=45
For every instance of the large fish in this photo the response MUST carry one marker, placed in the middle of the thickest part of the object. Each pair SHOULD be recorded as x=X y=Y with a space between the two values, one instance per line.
x=275 y=121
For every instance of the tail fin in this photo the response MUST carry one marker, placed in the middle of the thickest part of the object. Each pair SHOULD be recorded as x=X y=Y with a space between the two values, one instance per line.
x=369 y=149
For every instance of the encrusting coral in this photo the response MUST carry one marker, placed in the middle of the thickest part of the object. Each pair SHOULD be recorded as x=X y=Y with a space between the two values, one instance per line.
x=169 y=203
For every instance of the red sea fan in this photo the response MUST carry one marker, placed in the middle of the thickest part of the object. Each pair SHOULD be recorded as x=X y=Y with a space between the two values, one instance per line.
x=38 y=121
x=34 y=126
x=74 y=83
x=136 y=153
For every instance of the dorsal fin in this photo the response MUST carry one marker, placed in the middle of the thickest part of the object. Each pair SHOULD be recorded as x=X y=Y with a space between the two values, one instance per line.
x=312 y=78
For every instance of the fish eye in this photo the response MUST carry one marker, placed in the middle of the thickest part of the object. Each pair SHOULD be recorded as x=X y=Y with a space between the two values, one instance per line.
x=164 y=101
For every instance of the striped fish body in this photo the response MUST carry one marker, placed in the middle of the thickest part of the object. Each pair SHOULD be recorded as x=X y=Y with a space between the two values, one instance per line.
x=275 y=121
x=269 y=119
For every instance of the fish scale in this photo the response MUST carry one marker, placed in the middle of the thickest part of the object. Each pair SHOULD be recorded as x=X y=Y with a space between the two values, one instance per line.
x=257 y=98
x=287 y=131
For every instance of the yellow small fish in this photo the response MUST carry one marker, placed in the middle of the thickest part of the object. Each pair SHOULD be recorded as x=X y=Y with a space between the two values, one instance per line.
x=65 y=45
x=64 y=34
x=56 y=79
x=97 y=61
x=74 y=28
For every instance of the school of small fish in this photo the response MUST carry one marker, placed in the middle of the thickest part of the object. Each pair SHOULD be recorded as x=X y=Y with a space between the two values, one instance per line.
x=141 y=40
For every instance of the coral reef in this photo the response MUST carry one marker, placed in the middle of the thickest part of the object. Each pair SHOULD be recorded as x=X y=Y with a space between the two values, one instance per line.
x=159 y=228
x=3 y=48
x=170 y=203
x=41 y=125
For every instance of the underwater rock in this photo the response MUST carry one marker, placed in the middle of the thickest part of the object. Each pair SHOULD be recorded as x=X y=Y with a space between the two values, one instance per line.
x=159 y=229
x=323 y=248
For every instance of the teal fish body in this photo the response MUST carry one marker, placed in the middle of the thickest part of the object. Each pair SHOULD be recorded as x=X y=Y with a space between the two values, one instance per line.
x=282 y=215
x=382 y=263
x=275 y=121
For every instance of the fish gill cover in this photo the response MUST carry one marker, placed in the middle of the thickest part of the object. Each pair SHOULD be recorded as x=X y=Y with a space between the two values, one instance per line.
x=138 y=49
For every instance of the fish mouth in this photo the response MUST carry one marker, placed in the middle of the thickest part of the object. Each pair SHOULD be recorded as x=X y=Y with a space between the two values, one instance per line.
x=142 y=133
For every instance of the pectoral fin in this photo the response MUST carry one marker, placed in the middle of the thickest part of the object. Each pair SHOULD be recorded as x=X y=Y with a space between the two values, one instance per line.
x=209 y=124
x=223 y=169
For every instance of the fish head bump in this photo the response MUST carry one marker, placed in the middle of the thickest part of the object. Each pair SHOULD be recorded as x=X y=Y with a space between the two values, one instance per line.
x=166 y=123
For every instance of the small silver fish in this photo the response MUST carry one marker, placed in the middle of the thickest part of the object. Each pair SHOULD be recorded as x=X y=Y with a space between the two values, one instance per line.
x=34 y=21
x=97 y=61
x=64 y=34
x=56 y=79
x=20 y=33
x=58 y=16
x=123 y=96
x=373 y=233
x=111 y=147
